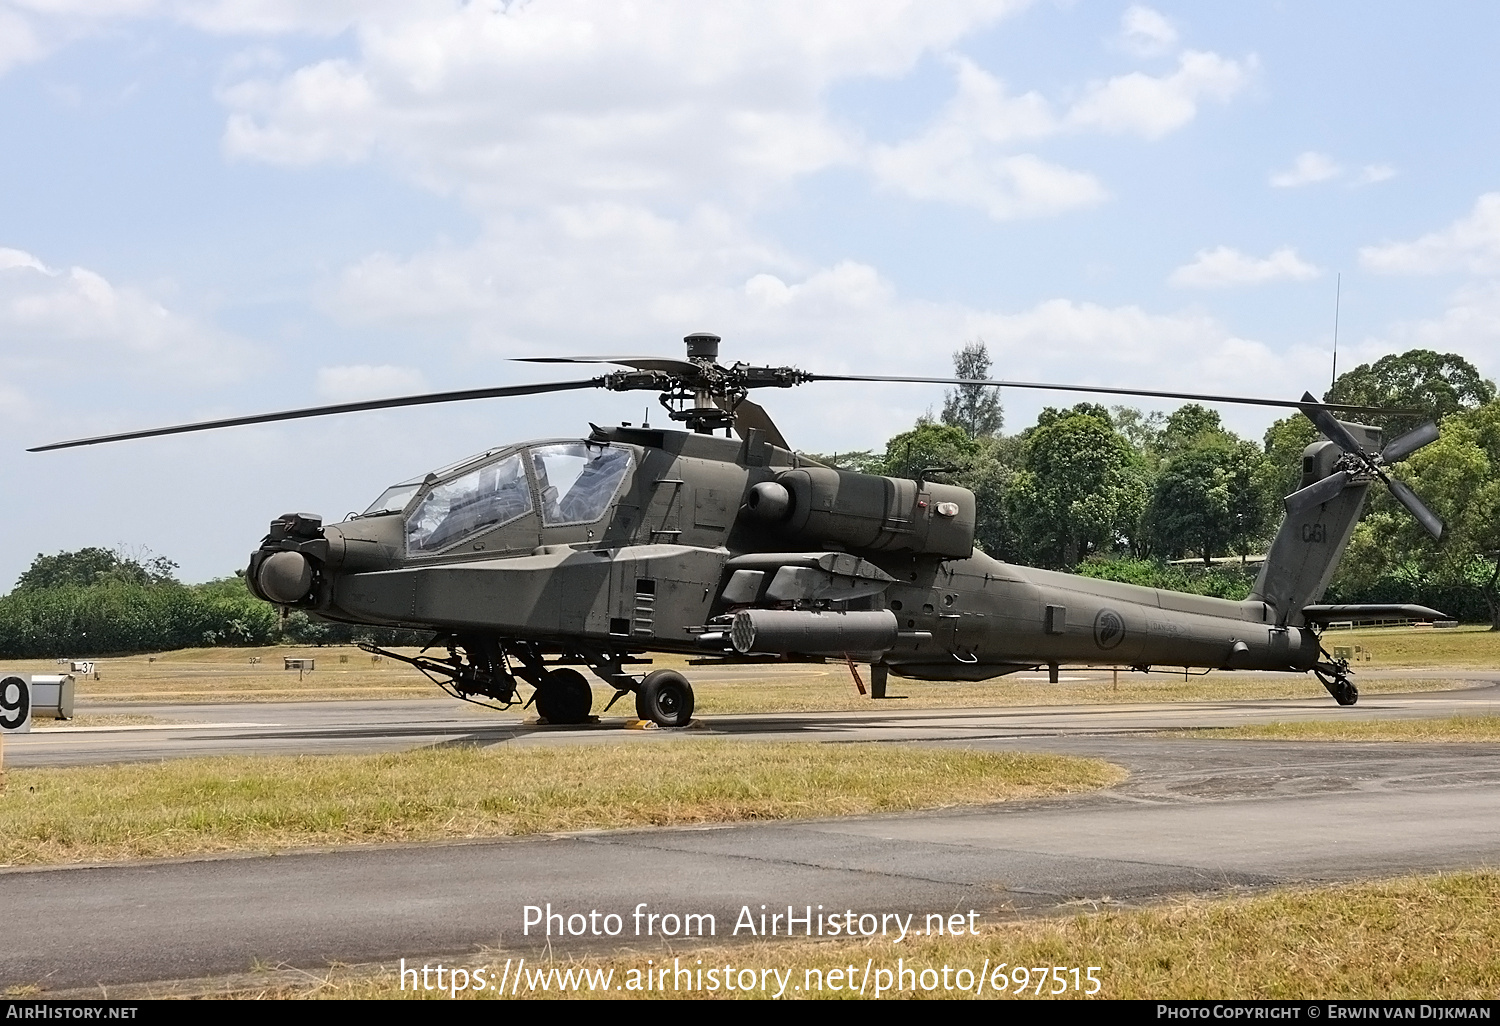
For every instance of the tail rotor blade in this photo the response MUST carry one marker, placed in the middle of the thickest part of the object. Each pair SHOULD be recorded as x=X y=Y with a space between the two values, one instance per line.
x=1316 y=493
x=1409 y=443
x=1408 y=498
x=1330 y=426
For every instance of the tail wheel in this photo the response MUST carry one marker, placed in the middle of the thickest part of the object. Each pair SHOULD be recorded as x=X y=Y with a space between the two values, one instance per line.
x=665 y=698
x=564 y=697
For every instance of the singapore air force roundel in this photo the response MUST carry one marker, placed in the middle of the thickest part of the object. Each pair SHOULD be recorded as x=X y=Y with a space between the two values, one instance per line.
x=1109 y=629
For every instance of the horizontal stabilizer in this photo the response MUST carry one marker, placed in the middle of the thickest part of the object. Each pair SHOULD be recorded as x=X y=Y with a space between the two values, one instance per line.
x=1370 y=611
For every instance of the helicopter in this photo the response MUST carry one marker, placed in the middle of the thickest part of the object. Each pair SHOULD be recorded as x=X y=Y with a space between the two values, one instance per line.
x=528 y=561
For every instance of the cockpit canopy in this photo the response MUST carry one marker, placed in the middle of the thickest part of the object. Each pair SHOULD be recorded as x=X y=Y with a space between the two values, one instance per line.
x=566 y=482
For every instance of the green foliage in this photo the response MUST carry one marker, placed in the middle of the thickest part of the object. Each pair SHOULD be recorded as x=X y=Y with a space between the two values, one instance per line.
x=118 y=617
x=1442 y=384
x=1285 y=441
x=1221 y=580
x=88 y=567
x=974 y=408
x=1189 y=426
x=110 y=615
x=1141 y=430
x=930 y=445
x=1081 y=488
x=1458 y=476
x=1209 y=495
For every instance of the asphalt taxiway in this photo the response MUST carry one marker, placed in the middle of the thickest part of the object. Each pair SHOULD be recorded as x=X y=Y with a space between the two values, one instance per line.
x=1196 y=814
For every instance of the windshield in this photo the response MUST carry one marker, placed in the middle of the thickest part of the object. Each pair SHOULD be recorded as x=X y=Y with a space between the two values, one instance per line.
x=577 y=480
x=486 y=497
x=394 y=498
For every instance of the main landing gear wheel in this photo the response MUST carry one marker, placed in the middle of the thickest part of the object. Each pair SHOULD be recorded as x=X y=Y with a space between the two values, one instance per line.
x=564 y=697
x=665 y=698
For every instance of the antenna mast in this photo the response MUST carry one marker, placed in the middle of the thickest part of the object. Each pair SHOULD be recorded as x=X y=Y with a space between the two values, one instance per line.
x=1338 y=289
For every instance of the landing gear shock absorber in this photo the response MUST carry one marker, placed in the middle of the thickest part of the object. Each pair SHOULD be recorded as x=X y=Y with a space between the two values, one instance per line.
x=1334 y=675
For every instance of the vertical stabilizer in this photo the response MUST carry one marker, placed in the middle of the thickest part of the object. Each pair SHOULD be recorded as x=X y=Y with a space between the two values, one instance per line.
x=1305 y=554
x=1311 y=541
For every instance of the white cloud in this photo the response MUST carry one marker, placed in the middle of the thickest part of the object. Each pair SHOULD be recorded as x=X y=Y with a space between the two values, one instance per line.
x=1372 y=173
x=968 y=156
x=1146 y=32
x=1308 y=168
x=571 y=100
x=1471 y=243
x=1224 y=266
x=18 y=41
x=54 y=318
x=1005 y=187
x=364 y=381
x=637 y=282
x=1151 y=106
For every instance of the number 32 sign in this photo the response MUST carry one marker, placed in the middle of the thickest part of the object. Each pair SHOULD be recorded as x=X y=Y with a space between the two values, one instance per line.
x=15 y=704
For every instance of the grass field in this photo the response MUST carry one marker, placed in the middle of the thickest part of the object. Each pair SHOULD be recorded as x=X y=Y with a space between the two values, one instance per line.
x=1415 y=937
x=203 y=806
x=1452 y=728
x=229 y=675
x=1472 y=645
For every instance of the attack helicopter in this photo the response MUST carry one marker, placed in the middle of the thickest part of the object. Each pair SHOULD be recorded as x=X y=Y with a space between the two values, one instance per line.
x=528 y=561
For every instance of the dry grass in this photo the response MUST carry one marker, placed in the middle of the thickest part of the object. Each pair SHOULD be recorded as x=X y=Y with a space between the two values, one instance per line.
x=226 y=675
x=202 y=806
x=87 y=720
x=1432 y=937
x=830 y=689
x=1453 y=728
x=1471 y=645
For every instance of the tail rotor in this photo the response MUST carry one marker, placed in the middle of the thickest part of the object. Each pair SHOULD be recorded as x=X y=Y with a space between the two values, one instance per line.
x=1357 y=461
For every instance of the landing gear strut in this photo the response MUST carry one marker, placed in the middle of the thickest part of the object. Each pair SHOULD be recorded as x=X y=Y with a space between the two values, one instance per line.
x=1335 y=677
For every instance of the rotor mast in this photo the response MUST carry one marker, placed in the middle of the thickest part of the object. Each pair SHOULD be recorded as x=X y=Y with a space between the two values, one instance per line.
x=704 y=416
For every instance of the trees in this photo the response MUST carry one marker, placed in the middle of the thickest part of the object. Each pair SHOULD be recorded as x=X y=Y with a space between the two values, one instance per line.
x=974 y=408
x=1081 y=488
x=1209 y=493
x=1440 y=383
x=91 y=566
x=1458 y=476
x=1209 y=498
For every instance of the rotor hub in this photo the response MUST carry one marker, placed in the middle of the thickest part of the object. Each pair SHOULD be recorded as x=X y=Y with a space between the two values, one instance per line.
x=703 y=345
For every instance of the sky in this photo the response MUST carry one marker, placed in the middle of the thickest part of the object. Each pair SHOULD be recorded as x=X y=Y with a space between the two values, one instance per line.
x=221 y=207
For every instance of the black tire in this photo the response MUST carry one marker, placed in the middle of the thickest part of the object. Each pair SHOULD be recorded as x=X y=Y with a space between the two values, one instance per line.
x=1348 y=695
x=665 y=698
x=564 y=697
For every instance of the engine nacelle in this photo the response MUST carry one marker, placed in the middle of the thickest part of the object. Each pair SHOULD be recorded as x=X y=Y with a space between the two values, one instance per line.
x=820 y=505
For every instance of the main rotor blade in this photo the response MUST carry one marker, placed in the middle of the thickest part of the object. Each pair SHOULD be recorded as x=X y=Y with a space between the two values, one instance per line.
x=1150 y=393
x=1409 y=443
x=1316 y=493
x=1408 y=498
x=324 y=411
x=748 y=415
x=670 y=364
